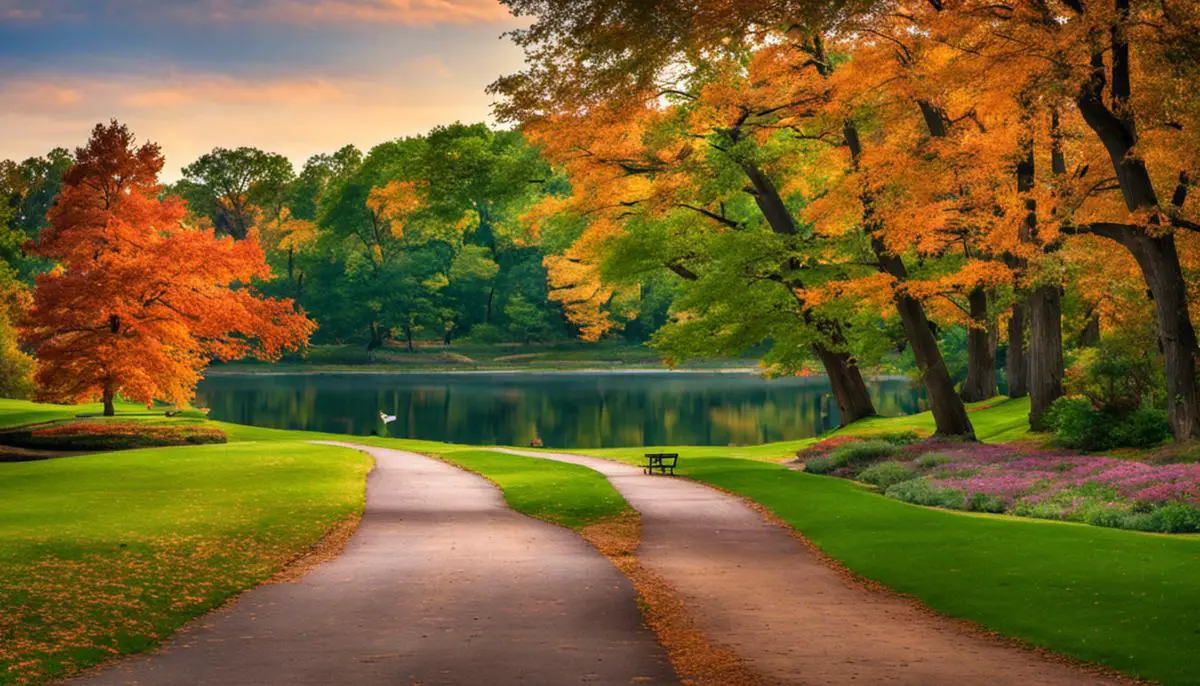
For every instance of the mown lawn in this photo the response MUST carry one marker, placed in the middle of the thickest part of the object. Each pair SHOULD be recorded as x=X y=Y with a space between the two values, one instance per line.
x=1127 y=600
x=109 y=554
x=566 y=494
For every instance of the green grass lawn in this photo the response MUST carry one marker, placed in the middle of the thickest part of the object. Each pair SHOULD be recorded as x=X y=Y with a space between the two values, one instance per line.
x=109 y=554
x=566 y=494
x=1127 y=600
x=1124 y=599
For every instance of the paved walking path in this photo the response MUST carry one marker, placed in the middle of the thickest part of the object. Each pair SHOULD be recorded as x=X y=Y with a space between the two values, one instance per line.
x=753 y=587
x=441 y=584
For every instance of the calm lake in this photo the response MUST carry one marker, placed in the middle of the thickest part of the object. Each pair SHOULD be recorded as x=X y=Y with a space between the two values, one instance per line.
x=564 y=409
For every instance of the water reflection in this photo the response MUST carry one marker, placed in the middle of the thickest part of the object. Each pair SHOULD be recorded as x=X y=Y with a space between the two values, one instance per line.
x=582 y=410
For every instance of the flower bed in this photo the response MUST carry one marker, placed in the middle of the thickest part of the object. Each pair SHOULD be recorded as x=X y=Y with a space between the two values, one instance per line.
x=1023 y=481
x=91 y=436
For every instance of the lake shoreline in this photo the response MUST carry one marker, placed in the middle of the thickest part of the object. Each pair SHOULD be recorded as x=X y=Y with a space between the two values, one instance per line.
x=583 y=371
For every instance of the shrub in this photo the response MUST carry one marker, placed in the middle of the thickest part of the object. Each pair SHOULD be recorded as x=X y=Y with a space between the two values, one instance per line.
x=1145 y=427
x=931 y=460
x=921 y=492
x=887 y=474
x=485 y=334
x=982 y=502
x=820 y=465
x=1078 y=423
x=1172 y=518
x=861 y=452
x=94 y=436
x=1123 y=373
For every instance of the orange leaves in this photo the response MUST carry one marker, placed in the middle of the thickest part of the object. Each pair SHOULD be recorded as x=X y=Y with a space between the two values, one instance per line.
x=142 y=301
x=396 y=202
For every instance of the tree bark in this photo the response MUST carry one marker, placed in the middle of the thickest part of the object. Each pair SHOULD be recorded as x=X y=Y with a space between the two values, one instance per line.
x=849 y=388
x=110 y=409
x=1045 y=352
x=1156 y=255
x=1018 y=352
x=981 y=355
x=949 y=413
x=1159 y=261
x=378 y=337
x=1089 y=337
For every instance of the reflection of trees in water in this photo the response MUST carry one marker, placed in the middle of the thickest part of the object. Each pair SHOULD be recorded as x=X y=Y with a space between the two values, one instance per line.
x=561 y=410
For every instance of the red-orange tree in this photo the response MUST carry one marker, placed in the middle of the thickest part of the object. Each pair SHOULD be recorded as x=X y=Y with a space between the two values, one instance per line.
x=141 y=301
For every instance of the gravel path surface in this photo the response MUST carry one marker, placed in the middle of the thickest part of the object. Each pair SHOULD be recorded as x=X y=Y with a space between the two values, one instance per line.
x=441 y=584
x=751 y=586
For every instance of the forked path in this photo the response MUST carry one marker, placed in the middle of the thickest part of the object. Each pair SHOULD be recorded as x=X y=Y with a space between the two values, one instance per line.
x=441 y=584
x=748 y=584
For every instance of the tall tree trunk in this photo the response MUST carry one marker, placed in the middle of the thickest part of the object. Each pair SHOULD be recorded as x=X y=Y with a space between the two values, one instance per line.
x=1159 y=262
x=408 y=337
x=1045 y=352
x=378 y=336
x=110 y=409
x=981 y=355
x=1045 y=301
x=949 y=413
x=849 y=389
x=1018 y=352
x=1156 y=255
x=1090 y=336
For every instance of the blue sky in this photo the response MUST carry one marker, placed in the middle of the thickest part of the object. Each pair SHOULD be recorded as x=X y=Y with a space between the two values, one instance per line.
x=292 y=76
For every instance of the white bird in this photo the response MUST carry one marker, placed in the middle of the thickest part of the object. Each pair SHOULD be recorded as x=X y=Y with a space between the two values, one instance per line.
x=387 y=418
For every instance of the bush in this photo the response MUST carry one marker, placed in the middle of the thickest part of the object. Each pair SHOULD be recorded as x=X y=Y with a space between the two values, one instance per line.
x=862 y=452
x=1123 y=373
x=820 y=465
x=921 y=492
x=887 y=474
x=1172 y=518
x=1078 y=423
x=486 y=334
x=982 y=502
x=1145 y=427
x=931 y=460
x=96 y=436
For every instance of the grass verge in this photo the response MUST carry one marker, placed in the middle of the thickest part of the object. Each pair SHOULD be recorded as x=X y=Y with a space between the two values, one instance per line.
x=109 y=554
x=565 y=494
x=583 y=499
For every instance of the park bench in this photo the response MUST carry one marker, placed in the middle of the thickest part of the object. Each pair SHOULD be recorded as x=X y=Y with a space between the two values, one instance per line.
x=665 y=463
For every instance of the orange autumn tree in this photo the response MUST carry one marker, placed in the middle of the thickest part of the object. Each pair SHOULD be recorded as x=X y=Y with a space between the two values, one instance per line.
x=141 y=301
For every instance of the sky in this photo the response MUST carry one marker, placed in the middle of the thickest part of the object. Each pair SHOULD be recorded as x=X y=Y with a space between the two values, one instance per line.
x=297 y=77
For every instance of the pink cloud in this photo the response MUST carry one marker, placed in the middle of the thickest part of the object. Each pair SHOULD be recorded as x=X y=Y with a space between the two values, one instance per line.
x=47 y=94
x=220 y=89
x=304 y=12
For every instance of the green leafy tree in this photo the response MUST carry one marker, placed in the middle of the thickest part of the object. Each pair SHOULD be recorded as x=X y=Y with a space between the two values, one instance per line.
x=227 y=185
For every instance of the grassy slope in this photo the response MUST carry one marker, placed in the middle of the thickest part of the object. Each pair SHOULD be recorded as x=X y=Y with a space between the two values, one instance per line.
x=565 y=494
x=1127 y=600
x=109 y=554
